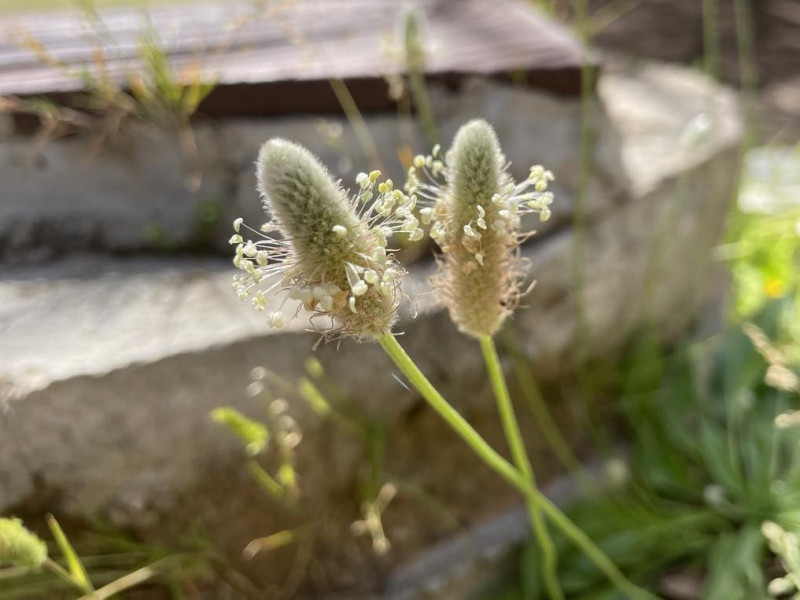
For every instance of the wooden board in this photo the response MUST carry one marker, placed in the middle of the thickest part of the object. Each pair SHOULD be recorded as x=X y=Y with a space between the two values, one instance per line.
x=280 y=59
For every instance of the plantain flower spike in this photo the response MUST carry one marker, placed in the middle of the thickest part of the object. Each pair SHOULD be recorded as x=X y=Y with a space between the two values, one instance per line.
x=474 y=209
x=20 y=547
x=332 y=254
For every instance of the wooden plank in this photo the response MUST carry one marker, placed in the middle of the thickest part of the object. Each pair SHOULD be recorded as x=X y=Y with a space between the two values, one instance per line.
x=294 y=48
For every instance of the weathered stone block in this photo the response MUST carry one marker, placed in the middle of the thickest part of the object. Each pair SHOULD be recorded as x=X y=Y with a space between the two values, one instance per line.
x=137 y=191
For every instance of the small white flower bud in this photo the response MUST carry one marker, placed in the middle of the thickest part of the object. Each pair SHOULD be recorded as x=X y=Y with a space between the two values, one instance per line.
x=416 y=235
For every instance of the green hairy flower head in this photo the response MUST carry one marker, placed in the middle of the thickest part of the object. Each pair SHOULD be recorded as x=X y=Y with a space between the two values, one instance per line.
x=331 y=255
x=474 y=209
x=20 y=547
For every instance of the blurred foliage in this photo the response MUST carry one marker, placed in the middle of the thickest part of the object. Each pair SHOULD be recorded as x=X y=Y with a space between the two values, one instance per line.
x=414 y=55
x=271 y=445
x=255 y=435
x=149 y=91
x=708 y=466
x=712 y=485
x=107 y=562
x=764 y=259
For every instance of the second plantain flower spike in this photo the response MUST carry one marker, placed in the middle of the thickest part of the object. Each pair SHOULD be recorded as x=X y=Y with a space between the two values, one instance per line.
x=474 y=208
x=332 y=252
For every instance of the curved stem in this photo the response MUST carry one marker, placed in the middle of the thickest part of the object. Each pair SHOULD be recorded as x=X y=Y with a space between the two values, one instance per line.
x=492 y=459
x=520 y=457
x=503 y=468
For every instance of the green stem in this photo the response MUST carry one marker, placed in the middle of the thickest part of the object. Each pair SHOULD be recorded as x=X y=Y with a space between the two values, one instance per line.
x=544 y=419
x=710 y=11
x=748 y=69
x=63 y=574
x=356 y=120
x=503 y=468
x=578 y=260
x=415 y=65
x=450 y=414
x=520 y=457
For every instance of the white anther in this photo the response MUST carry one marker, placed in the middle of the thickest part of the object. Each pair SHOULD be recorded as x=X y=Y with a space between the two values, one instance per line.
x=370 y=276
x=276 y=319
x=426 y=214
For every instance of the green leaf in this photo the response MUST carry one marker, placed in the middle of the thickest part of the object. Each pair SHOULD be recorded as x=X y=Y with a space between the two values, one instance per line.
x=74 y=563
x=275 y=541
x=734 y=569
x=314 y=397
x=254 y=434
x=530 y=571
x=266 y=481
x=718 y=458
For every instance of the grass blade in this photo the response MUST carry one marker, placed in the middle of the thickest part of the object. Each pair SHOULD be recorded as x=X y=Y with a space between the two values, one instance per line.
x=74 y=563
